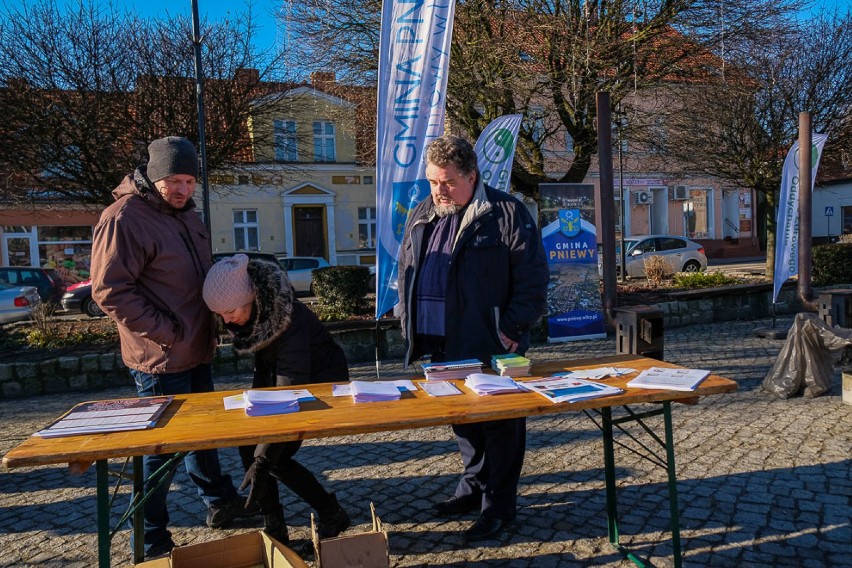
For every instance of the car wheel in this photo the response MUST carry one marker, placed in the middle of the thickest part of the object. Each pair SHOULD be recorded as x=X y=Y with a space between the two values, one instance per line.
x=692 y=266
x=91 y=308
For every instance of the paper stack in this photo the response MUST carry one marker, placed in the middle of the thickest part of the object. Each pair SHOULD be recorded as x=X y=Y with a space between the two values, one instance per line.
x=483 y=384
x=563 y=389
x=666 y=378
x=511 y=365
x=451 y=369
x=266 y=403
x=374 y=391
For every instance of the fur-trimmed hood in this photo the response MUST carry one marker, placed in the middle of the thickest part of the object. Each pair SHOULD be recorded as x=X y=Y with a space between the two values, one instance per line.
x=273 y=307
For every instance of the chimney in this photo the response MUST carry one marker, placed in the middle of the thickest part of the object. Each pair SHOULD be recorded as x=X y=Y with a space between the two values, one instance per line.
x=322 y=79
x=247 y=75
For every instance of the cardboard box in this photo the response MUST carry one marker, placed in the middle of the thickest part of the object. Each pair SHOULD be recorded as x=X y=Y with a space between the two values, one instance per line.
x=249 y=550
x=364 y=550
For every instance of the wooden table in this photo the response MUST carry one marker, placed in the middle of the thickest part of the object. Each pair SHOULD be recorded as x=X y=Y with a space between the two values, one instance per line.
x=199 y=421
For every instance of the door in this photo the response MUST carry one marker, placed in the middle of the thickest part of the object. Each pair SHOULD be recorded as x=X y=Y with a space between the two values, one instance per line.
x=17 y=249
x=660 y=211
x=309 y=231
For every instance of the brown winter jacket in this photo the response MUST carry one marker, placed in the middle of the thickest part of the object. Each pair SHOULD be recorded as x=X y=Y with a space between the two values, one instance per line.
x=149 y=261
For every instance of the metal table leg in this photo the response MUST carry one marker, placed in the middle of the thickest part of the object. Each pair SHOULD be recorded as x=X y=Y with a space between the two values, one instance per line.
x=103 y=513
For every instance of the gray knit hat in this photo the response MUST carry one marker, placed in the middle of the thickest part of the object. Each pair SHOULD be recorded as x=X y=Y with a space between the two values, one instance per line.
x=228 y=286
x=170 y=156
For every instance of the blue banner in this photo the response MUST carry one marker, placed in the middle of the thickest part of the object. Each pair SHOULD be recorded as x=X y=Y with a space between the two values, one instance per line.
x=574 y=306
x=495 y=150
x=414 y=56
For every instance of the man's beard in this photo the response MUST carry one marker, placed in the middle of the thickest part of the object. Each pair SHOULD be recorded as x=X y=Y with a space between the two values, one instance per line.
x=447 y=210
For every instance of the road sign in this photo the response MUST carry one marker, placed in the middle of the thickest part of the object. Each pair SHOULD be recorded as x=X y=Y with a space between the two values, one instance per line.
x=829 y=211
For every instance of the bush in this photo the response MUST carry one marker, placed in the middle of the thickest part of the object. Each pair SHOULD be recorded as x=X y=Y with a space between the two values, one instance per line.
x=691 y=280
x=657 y=270
x=832 y=264
x=341 y=291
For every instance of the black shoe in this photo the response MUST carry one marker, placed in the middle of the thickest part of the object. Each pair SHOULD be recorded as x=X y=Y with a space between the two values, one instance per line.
x=275 y=526
x=486 y=527
x=221 y=516
x=333 y=520
x=458 y=505
x=160 y=551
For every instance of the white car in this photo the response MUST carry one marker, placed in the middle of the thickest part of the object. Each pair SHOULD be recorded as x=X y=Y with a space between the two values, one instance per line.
x=682 y=254
x=17 y=302
x=300 y=270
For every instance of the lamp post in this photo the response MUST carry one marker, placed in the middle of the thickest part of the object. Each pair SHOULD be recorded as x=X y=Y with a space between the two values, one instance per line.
x=199 y=93
x=619 y=125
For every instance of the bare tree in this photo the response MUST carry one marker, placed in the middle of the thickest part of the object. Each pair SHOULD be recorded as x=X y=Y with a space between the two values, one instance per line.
x=84 y=89
x=545 y=58
x=739 y=127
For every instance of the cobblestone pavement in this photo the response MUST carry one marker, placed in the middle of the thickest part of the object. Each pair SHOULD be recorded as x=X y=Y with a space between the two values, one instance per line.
x=762 y=481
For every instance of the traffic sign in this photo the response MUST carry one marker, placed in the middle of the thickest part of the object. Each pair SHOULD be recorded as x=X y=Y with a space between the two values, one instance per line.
x=829 y=211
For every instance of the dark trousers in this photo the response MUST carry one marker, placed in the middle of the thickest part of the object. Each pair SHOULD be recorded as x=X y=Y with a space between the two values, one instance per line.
x=493 y=455
x=296 y=477
x=214 y=487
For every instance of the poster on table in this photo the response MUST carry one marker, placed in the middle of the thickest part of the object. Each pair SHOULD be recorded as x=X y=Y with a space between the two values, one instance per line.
x=574 y=305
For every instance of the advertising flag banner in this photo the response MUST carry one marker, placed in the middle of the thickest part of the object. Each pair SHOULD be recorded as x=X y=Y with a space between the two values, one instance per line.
x=495 y=150
x=787 y=227
x=574 y=306
x=414 y=56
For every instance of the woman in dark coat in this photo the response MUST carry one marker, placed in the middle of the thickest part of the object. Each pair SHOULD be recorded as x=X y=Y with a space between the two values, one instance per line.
x=291 y=347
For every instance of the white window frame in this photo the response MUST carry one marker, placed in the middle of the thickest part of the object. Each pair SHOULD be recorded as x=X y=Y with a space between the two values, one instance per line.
x=368 y=221
x=286 y=142
x=246 y=228
x=325 y=149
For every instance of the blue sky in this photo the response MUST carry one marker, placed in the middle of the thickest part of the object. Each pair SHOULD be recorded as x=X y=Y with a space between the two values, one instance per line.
x=268 y=33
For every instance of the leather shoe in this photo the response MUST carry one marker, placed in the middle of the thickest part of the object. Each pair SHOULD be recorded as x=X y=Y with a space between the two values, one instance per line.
x=486 y=527
x=458 y=505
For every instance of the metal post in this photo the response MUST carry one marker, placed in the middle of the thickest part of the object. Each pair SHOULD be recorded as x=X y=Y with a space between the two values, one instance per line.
x=623 y=253
x=199 y=92
x=805 y=288
x=607 y=231
x=101 y=474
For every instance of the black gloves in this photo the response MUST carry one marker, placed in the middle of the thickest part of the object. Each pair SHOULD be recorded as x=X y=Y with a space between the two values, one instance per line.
x=258 y=477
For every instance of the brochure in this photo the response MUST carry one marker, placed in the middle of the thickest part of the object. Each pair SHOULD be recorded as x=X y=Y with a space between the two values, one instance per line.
x=345 y=389
x=669 y=379
x=451 y=369
x=596 y=374
x=483 y=384
x=566 y=389
x=108 y=416
x=440 y=388
x=374 y=391
x=511 y=365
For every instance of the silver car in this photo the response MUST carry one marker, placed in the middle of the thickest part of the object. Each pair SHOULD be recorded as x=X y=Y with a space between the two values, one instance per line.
x=682 y=254
x=300 y=270
x=17 y=302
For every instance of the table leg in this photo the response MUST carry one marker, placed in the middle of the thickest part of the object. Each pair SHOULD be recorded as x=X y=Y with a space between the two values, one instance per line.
x=609 y=476
x=103 y=513
x=138 y=514
x=670 y=467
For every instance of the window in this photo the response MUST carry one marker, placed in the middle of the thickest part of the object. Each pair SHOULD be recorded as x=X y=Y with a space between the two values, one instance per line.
x=346 y=180
x=368 y=180
x=569 y=143
x=366 y=227
x=246 y=229
x=846 y=217
x=286 y=148
x=68 y=249
x=324 y=141
x=696 y=215
x=669 y=243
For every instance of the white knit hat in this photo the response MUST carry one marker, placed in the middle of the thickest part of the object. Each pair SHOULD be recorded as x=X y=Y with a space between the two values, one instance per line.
x=228 y=286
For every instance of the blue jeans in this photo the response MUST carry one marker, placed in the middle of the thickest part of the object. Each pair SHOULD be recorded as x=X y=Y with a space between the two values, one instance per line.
x=214 y=487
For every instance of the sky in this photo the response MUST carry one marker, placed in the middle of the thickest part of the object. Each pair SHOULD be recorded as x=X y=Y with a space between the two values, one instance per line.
x=268 y=33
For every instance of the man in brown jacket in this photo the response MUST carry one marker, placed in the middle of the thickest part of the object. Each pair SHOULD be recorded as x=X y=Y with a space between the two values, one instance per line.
x=150 y=254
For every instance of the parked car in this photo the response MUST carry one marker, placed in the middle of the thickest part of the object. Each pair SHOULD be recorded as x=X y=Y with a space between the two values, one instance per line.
x=300 y=269
x=17 y=302
x=49 y=283
x=682 y=255
x=78 y=298
x=253 y=254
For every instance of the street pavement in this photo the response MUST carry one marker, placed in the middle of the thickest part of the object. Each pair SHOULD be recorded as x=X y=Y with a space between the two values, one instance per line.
x=762 y=482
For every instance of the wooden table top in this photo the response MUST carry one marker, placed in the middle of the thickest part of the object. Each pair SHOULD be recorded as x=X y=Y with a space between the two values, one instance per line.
x=199 y=421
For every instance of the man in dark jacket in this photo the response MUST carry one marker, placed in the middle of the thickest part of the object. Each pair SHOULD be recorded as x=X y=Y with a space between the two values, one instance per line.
x=291 y=347
x=472 y=281
x=150 y=253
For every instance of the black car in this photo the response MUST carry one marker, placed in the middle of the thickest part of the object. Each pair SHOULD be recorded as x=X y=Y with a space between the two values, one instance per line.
x=78 y=298
x=49 y=283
